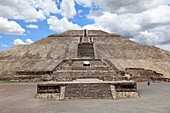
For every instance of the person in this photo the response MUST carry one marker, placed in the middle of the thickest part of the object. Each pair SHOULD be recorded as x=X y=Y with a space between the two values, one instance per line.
x=148 y=83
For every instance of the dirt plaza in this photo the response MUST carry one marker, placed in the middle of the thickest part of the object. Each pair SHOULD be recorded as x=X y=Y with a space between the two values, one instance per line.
x=19 y=98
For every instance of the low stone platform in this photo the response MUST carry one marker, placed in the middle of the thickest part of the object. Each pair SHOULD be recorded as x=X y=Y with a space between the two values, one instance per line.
x=87 y=90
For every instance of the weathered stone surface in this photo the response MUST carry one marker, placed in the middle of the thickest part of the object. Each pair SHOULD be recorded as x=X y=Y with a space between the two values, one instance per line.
x=87 y=89
x=48 y=95
x=62 y=92
x=143 y=73
x=46 y=53
x=113 y=91
x=126 y=94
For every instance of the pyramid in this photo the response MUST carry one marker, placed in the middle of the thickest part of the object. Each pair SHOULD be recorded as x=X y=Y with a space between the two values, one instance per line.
x=46 y=55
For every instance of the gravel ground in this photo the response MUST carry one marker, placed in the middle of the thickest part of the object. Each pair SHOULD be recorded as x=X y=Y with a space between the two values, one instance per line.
x=19 y=98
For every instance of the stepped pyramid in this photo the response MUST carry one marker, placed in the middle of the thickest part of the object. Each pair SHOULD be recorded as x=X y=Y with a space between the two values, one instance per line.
x=43 y=56
x=85 y=64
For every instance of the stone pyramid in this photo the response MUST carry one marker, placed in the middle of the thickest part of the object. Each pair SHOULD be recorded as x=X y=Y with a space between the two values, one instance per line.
x=43 y=56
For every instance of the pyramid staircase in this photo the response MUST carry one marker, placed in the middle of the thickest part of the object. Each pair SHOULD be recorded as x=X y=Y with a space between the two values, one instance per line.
x=85 y=46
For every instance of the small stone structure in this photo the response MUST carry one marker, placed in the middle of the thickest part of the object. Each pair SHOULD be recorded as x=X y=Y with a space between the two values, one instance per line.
x=87 y=90
x=145 y=74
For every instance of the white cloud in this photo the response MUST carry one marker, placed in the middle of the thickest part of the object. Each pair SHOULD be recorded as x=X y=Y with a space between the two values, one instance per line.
x=121 y=24
x=148 y=27
x=68 y=8
x=165 y=46
x=10 y=27
x=95 y=27
x=130 y=6
x=21 y=42
x=4 y=45
x=48 y=6
x=18 y=42
x=61 y=25
x=29 y=41
x=80 y=11
x=28 y=10
x=155 y=36
x=20 y=9
x=159 y=14
x=32 y=26
x=85 y=3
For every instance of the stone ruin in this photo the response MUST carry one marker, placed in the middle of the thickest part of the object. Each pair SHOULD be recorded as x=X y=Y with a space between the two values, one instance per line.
x=87 y=79
x=83 y=77
x=87 y=90
x=142 y=74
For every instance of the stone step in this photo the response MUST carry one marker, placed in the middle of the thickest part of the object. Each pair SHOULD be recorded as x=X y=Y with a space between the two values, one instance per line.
x=85 y=50
x=90 y=91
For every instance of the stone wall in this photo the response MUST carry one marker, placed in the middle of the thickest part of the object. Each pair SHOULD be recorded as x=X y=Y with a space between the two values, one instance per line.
x=70 y=69
x=136 y=73
x=126 y=94
x=103 y=75
x=88 y=91
x=80 y=90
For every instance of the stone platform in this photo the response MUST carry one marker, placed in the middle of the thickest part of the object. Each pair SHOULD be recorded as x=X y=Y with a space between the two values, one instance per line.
x=87 y=90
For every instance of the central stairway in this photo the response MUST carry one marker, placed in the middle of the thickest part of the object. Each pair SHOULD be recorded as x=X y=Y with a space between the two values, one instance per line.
x=86 y=50
x=85 y=46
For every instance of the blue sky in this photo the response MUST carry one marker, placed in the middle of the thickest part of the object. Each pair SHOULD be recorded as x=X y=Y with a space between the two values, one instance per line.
x=26 y=21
